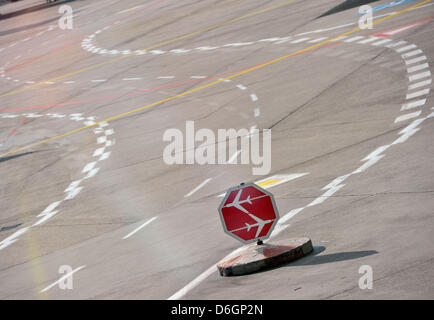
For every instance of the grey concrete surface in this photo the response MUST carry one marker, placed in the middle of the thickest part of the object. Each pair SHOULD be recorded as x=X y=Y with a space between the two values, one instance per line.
x=328 y=109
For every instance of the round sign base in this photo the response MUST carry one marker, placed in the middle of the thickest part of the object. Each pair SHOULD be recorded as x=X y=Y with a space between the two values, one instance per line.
x=267 y=255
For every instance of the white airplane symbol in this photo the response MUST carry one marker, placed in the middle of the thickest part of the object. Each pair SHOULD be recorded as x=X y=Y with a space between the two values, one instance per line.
x=237 y=204
x=259 y=223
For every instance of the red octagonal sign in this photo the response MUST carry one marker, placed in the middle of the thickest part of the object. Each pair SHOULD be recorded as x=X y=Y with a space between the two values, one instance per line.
x=248 y=213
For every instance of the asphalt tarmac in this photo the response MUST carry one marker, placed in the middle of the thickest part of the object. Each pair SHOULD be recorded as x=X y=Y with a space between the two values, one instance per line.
x=84 y=184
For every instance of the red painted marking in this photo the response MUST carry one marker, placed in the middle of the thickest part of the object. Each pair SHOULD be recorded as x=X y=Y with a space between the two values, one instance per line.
x=13 y=131
x=26 y=62
x=417 y=23
x=51 y=105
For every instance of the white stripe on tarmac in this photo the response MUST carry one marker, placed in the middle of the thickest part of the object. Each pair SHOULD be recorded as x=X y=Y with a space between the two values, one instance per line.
x=62 y=278
x=417 y=94
x=420 y=84
x=418 y=59
x=197 y=188
x=139 y=228
x=408 y=116
x=420 y=76
x=417 y=68
x=406 y=48
x=413 y=104
x=411 y=53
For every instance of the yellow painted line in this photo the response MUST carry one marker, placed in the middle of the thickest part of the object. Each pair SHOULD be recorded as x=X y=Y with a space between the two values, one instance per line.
x=132 y=27
x=205 y=86
x=268 y=182
x=189 y=35
x=149 y=48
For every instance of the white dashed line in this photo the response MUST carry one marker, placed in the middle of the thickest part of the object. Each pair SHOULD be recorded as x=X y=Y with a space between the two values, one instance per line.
x=200 y=186
x=413 y=104
x=417 y=94
x=139 y=228
x=408 y=116
x=66 y=276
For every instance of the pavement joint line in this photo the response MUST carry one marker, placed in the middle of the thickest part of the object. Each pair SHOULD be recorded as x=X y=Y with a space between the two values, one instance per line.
x=236 y=75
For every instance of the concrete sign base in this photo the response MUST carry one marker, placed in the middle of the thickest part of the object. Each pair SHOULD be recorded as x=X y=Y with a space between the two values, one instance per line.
x=267 y=255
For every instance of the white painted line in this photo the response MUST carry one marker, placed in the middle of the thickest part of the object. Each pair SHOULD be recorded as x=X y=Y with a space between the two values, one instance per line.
x=234 y=156
x=253 y=97
x=109 y=132
x=283 y=40
x=91 y=173
x=66 y=276
x=201 y=277
x=238 y=44
x=49 y=209
x=131 y=79
x=205 y=48
x=396 y=44
x=408 y=116
x=89 y=167
x=420 y=84
x=105 y=156
x=179 y=50
x=379 y=43
x=289 y=215
x=198 y=77
x=411 y=53
x=418 y=59
x=241 y=87
x=101 y=80
x=425 y=5
x=166 y=77
x=98 y=152
x=157 y=51
x=300 y=40
x=139 y=228
x=420 y=76
x=417 y=94
x=73 y=193
x=368 y=40
x=318 y=40
x=406 y=48
x=414 y=104
x=197 y=188
x=257 y=112
x=339 y=39
x=102 y=139
x=393 y=32
x=72 y=186
x=193 y=284
x=352 y=39
x=418 y=67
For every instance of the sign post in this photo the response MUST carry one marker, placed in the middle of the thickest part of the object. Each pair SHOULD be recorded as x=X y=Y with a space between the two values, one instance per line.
x=249 y=214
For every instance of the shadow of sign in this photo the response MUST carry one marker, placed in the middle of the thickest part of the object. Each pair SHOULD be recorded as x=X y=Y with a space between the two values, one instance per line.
x=349 y=4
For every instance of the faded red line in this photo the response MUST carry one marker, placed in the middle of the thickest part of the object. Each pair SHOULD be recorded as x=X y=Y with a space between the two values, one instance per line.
x=416 y=23
x=148 y=89
x=13 y=131
x=76 y=40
